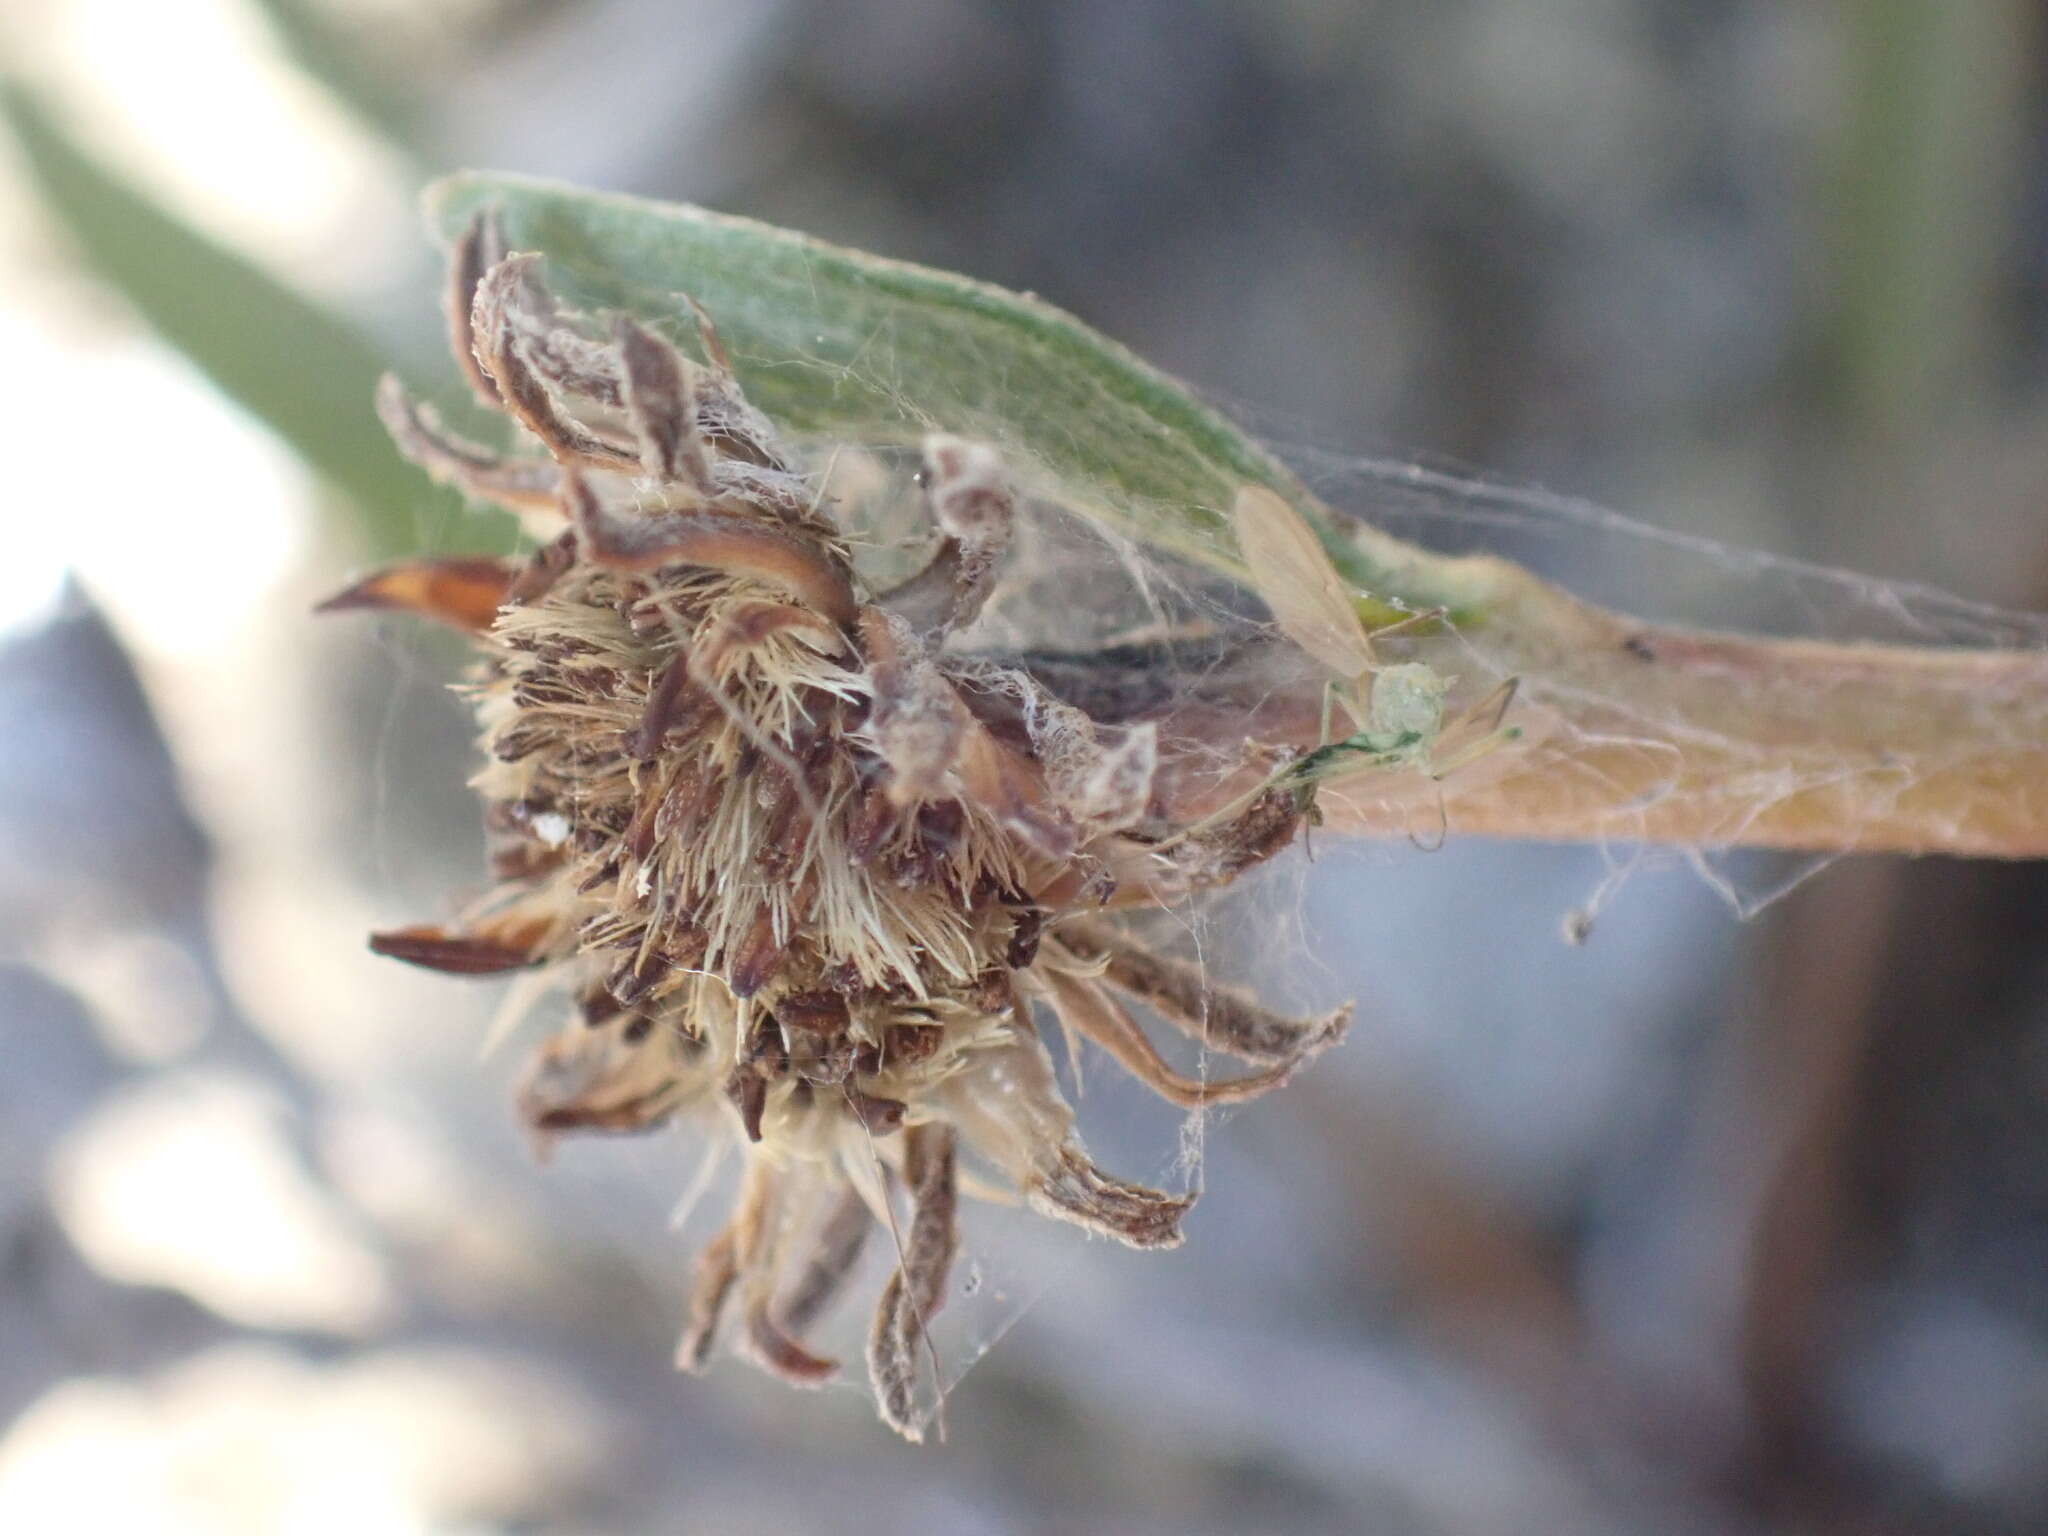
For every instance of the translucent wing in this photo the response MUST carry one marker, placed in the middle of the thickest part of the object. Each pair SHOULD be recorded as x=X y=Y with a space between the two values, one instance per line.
x=1295 y=577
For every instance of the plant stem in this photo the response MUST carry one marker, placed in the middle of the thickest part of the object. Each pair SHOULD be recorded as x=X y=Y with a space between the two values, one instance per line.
x=1644 y=733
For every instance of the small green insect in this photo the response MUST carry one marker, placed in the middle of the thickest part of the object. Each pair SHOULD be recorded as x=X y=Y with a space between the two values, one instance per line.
x=1396 y=711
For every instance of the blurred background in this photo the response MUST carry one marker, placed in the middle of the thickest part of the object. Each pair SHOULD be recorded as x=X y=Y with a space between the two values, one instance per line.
x=1713 y=1224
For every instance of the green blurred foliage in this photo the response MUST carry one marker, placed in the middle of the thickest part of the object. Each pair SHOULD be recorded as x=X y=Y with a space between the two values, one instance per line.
x=295 y=366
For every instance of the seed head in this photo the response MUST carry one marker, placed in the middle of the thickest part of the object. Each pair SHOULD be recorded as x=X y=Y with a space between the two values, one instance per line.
x=803 y=865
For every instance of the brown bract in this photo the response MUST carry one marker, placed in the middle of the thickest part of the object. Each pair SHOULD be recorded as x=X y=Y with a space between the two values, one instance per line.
x=805 y=864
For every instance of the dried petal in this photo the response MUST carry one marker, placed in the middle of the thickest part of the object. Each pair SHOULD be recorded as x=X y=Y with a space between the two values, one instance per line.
x=835 y=1251
x=507 y=301
x=744 y=625
x=606 y=1078
x=969 y=494
x=1074 y=1189
x=480 y=247
x=782 y=1356
x=462 y=592
x=918 y=723
x=916 y=1291
x=717 y=1270
x=525 y=485
x=659 y=400
x=970 y=501
x=459 y=954
x=1223 y=1018
x=718 y=540
x=646 y=738
x=748 y=1091
x=1010 y=788
x=544 y=568
x=1084 y=1008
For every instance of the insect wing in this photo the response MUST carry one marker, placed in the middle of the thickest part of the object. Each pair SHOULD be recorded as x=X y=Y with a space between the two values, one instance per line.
x=1295 y=577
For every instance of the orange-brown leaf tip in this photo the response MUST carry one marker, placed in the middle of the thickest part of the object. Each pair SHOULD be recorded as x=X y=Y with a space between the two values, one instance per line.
x=436 y=949
x=461 y=592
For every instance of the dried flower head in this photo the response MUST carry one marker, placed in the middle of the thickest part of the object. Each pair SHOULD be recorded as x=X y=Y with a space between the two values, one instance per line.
x=805 y=868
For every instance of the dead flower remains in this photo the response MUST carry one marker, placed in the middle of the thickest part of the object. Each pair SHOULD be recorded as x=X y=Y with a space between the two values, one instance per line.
x=806 y=870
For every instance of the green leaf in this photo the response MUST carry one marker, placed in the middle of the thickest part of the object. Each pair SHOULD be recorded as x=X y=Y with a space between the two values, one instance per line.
x=306 y=374
x=838 y=345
